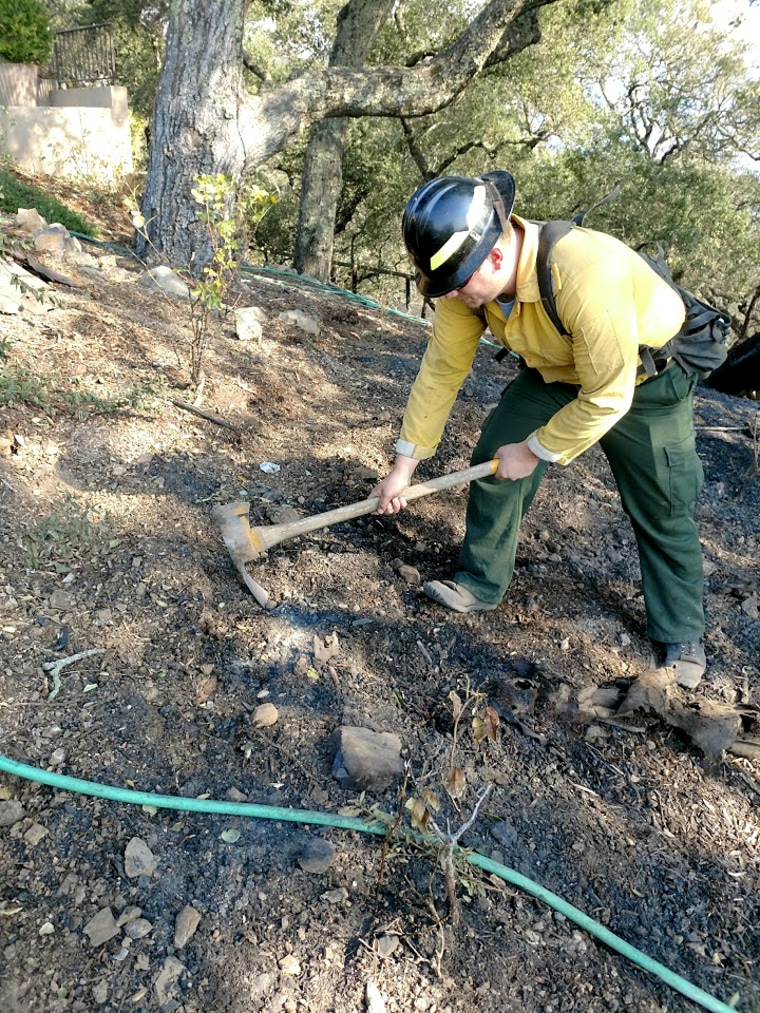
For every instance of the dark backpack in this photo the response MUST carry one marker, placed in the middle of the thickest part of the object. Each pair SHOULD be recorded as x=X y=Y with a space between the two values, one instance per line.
x=700 y=345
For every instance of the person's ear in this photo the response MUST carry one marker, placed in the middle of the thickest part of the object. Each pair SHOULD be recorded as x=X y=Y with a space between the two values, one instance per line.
x=496 y=257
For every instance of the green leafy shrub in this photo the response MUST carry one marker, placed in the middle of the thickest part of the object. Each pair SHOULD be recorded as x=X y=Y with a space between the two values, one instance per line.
x=15 y=194
x=73 y=533
x=25 y=35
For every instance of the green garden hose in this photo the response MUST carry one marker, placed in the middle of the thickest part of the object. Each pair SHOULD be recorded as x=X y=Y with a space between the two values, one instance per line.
x=255 y=811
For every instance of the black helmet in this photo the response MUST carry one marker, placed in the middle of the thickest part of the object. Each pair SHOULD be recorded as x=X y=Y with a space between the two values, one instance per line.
x=451 y=224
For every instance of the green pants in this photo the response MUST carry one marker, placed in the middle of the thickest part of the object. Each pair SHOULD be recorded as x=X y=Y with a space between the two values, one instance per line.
x=651 y=451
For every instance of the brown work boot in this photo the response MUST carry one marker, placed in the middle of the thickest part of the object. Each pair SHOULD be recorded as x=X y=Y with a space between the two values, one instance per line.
x=455 y=596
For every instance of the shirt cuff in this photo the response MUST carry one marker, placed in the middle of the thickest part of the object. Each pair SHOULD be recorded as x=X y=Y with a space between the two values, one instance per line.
x=545 y=455
x=413 y=450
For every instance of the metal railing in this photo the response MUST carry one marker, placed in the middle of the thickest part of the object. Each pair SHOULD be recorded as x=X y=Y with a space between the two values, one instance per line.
x=83 y=57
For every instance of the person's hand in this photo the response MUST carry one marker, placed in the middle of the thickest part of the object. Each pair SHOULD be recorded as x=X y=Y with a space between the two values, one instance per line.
x=390 y=488
x=516 y=461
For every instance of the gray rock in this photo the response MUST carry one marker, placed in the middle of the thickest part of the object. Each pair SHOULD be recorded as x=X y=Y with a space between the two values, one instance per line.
x=261 y=984
x=18 y=287
x=101 y=927
x=139 y=860
x=265 y=715
x=100 y=992
x=303 y=321
x=56 y=238
x=317 y=855
x=290 y=965
x=30 y=220
x=138 y=929
x=409 y=573
x=129 y=914
x=248 y=323
x=35 y=834
x=11 y=812
x=375 y=999
x=167 y=979
x=335 y=897
x=504 y=833
x=61 y=600
x=185 y=926
x=163 y=279
x=385 y=945
x=366 y=760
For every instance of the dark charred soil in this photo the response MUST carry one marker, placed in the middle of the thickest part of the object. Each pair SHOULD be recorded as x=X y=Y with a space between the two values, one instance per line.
x=107 y=544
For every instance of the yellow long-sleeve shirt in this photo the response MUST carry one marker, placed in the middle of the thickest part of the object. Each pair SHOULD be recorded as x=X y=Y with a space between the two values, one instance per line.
x=608 y=299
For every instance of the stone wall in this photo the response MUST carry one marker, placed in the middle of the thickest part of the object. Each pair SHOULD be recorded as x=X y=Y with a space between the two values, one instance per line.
x=68 y=131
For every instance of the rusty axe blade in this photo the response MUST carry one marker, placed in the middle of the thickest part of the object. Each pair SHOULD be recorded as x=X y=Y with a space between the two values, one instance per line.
x=243 y=542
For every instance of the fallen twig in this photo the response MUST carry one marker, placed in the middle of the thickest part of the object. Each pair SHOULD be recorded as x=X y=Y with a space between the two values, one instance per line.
x=186 y=407
x=54 y=667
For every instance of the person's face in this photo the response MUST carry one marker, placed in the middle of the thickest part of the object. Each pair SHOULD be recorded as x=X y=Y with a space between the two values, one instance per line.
x=484 y=285
x=471 y=291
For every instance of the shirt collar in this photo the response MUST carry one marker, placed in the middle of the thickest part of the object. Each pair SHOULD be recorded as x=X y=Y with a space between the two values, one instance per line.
x=527 y=280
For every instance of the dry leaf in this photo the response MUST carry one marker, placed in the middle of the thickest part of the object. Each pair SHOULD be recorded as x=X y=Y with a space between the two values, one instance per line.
x=456 y=704
x=486 y=725
x=419 y=813
x=455 y=783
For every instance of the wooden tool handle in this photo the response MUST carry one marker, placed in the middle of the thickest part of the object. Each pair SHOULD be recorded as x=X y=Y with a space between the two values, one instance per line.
x=277 y=533
x=447 y=481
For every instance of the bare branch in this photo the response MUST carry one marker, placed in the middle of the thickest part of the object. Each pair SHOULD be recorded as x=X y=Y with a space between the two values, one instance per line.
x=384 y=91
x=255 y=69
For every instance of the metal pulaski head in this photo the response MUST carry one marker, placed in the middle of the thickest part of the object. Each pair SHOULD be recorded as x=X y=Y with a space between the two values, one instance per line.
x=243 y=543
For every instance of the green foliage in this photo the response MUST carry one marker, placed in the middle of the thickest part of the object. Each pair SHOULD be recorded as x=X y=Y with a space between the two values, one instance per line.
x=285 y=38
x=73 y=532
x=274 y=237
x=227 y=228
x=84 y=404
x=649 y=94
x=15 y=194
x=19 y=386
x=25 y=35
x=702 y=215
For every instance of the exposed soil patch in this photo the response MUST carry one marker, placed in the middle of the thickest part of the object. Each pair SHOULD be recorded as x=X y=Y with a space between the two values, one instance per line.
x=107 y=543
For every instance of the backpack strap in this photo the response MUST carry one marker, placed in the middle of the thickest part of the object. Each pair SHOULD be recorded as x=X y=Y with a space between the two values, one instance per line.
x=549 y=235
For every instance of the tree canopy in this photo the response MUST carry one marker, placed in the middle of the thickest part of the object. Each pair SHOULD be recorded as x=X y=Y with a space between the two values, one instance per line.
x=573 y=96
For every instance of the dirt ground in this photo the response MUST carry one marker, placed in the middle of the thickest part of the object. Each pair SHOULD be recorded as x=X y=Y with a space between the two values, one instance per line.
x=107 y=545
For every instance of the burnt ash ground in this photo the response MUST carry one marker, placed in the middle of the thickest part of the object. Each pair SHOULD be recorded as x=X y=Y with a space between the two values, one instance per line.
x=107 y=542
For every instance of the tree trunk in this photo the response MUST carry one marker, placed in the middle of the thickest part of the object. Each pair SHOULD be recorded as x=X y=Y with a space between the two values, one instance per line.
x=195 y=127
x=322 y=181
x=204 y=122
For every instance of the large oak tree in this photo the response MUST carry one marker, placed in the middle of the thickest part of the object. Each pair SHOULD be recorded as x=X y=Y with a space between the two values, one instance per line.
x=205 y=121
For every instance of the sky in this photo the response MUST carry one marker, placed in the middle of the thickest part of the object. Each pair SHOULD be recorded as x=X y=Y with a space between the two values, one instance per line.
x=725 y=10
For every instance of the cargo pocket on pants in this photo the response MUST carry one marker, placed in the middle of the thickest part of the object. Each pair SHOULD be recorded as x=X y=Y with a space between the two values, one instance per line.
x=685 y=474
